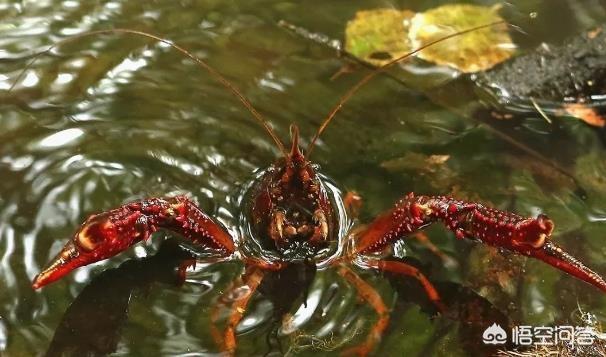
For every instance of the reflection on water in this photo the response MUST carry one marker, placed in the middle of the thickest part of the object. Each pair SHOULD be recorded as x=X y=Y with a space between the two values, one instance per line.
x=105 y=120
x=63 y=138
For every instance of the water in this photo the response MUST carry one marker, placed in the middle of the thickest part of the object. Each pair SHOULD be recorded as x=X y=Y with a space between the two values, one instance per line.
x=110 y=119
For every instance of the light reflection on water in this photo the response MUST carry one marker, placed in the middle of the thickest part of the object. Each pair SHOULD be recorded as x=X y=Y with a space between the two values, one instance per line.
x=112 y=119
x=65 y=137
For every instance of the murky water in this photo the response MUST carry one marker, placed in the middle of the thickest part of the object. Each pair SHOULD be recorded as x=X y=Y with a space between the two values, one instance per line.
x=105 y=120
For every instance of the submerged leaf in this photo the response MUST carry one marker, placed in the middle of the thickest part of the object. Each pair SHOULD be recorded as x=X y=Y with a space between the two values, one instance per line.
x=416 y=162
x=590 y=169
x=472 y=52
x=432 y=169
x=378 y=36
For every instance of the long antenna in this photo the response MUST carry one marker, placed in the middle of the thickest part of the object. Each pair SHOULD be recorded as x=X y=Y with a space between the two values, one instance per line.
x=372 y=74
x=218 y=76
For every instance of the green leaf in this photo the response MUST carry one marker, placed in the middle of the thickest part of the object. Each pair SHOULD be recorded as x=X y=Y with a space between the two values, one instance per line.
x=378 y=36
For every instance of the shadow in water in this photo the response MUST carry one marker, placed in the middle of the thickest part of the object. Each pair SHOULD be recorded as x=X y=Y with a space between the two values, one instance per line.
x=92 y=324
x=286 y=289
x=472 y=312
x=288 y=286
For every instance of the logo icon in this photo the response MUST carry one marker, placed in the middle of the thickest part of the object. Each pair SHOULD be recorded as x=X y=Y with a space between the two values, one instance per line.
x=494 y=335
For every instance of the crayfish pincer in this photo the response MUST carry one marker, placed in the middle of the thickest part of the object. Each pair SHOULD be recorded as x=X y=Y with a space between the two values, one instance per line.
x=293 y=219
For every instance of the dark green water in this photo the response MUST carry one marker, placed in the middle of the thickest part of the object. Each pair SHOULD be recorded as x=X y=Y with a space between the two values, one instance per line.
x=110 y=119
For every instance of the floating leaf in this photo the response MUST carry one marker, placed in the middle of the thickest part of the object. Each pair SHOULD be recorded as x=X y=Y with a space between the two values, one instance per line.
x=378 y=36
x=472 y=52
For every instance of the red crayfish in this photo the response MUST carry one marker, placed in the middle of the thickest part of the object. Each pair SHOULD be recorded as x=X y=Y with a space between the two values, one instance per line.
x=292 y=218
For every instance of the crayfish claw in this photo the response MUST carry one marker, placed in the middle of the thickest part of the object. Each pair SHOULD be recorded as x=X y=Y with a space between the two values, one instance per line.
x=106 y=234
x=64 y=262
x=555 y=256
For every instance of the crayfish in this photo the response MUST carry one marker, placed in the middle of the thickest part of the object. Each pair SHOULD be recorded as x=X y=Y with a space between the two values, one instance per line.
x=293 y=218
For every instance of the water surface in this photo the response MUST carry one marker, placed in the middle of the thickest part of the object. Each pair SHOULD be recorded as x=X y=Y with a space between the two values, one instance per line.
x=105 y=120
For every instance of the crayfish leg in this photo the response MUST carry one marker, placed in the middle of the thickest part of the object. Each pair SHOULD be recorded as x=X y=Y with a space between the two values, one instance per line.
x=251 y=281
x=353 y=204
x=402 y=268
x=372 y=297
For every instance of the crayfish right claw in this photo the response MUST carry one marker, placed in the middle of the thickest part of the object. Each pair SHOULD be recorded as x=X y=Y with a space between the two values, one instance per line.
x=555 y=256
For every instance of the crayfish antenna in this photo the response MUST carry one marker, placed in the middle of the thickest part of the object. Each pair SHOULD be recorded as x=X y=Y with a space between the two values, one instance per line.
x=380 y=69
x=213 y=72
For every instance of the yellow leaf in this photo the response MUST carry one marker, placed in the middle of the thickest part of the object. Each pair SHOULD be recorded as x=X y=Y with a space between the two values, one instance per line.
x=473 y=52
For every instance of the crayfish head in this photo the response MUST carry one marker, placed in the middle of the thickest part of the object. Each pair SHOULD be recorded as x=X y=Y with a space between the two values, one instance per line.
x=91 y=243
x=292 y=208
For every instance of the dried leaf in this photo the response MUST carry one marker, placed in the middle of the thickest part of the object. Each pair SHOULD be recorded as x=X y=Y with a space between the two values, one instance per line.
x=378 y=36
x=472 y=52
x=437 y=159
x=586 y=113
